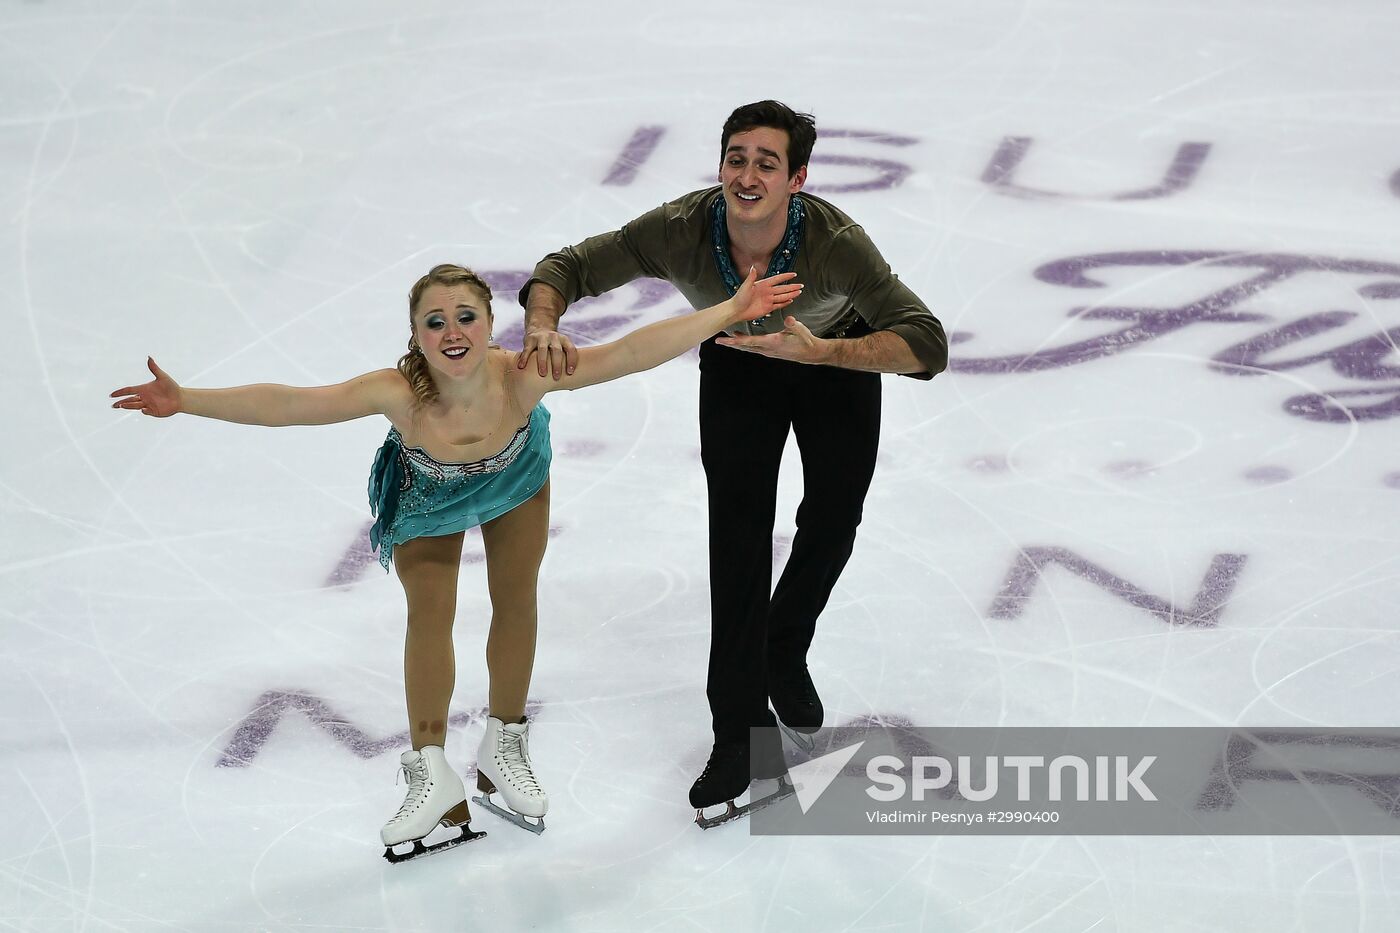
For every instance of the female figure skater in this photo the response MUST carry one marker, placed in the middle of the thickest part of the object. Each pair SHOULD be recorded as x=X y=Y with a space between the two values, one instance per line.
x=469 y=446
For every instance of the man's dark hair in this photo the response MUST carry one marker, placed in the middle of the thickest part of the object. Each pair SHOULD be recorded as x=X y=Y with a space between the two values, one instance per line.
x=800 y=127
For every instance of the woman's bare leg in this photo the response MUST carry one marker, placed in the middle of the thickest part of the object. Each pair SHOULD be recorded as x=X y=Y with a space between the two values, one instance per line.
x=515 y=544
x=427 y=568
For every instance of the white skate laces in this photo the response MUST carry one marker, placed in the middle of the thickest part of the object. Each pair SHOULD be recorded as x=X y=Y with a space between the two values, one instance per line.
x=420 y=785
x=512 y=760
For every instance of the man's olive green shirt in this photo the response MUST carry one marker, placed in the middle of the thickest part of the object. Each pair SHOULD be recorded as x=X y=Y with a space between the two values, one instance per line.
x=849 y=288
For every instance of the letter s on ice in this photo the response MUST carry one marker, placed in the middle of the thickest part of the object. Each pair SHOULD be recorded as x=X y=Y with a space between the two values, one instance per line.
x=881 y=770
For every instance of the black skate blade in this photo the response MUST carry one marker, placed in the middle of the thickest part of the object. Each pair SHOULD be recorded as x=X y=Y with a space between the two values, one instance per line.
x=804 y=741
x=419 y=850
x=733 y=812
x=510 y=816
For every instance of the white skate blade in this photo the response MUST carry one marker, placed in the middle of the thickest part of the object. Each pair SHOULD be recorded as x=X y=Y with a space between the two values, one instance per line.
x=416 y=848
x=761 y=793
x=509 y=815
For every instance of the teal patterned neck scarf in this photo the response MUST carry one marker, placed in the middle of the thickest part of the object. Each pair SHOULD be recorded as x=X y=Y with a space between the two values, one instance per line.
x=784 y=257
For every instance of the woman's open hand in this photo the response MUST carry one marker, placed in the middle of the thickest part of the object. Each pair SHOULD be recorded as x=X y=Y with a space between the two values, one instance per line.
x=757 y=297
x=159 y=398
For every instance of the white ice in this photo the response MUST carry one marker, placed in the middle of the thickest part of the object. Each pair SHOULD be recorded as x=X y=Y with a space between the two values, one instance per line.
x=246 y=192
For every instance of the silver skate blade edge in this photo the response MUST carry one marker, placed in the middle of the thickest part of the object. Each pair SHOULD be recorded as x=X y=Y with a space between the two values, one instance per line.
x=510 y=816
x=419 y=850
x=733 y=811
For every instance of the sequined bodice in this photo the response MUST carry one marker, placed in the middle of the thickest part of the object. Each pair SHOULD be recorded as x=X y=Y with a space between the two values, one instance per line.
x=423 y=462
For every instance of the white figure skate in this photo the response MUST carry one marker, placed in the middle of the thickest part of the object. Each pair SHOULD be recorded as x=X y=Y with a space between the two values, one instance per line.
x=503 y=764
x=435 y=797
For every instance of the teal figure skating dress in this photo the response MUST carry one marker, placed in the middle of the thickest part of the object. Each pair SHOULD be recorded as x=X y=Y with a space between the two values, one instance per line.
x=413 y=495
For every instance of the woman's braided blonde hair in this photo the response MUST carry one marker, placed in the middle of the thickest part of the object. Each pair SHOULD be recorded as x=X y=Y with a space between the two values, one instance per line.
x=412 y=366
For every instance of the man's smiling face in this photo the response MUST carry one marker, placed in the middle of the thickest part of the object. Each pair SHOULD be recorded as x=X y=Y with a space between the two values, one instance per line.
x=755 y=177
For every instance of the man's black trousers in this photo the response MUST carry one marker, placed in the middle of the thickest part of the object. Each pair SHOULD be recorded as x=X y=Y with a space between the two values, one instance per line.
x=747 y=404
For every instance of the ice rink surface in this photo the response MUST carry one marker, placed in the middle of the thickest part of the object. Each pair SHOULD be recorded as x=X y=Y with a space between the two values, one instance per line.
x=1159 y=485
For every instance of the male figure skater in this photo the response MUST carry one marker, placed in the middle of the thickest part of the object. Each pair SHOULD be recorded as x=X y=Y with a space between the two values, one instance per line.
x=815 y=372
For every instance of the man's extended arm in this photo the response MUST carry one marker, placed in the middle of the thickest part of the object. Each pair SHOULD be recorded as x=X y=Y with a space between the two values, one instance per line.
x=890 y=308
x=543 y=308
x=881 y=352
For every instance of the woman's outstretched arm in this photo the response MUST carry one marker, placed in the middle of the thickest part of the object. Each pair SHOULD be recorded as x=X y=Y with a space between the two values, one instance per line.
x=265 y=404
x=656 y=343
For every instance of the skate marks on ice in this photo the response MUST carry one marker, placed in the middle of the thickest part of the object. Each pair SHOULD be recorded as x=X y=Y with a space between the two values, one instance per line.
x=257 y=726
